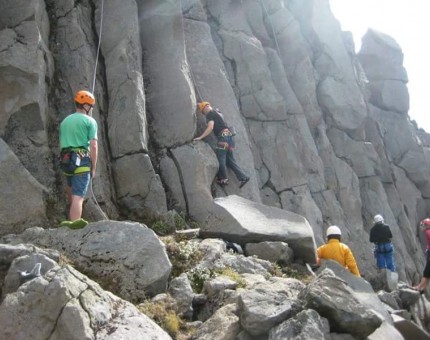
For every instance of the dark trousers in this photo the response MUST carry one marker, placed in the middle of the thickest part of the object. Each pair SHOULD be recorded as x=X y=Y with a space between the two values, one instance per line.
x=384 y=254
x=224 y=153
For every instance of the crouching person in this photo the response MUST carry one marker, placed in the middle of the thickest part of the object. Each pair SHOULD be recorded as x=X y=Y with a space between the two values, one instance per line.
x=337 y=251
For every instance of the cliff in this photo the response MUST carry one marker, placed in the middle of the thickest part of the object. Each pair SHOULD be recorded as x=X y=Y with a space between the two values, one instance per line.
x=323 y=132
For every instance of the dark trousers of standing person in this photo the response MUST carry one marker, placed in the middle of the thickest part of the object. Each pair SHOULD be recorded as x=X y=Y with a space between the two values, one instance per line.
x=384 y=254
x=224 y=152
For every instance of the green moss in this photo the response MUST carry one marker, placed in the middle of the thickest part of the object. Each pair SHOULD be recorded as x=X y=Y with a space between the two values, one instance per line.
x=233 y=275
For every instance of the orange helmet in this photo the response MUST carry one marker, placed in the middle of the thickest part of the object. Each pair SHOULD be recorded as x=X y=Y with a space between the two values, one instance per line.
x=202 y=105
x=84 y=97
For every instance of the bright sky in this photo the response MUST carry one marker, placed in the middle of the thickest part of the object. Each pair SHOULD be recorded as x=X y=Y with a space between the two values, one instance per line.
x=407 y=21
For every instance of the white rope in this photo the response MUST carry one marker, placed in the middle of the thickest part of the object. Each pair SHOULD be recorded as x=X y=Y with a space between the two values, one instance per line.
x=98 y=47
x=94 y=85
x=193 y=79
x=271 y=25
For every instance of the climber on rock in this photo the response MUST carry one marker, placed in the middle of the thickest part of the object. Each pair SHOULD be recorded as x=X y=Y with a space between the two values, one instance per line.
x=380 y=235
x=337 y=251
x=225 y=145
x=78 y=142
x=425 y=226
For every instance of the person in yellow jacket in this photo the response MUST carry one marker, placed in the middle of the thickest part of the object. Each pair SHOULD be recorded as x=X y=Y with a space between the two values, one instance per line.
x=337 y=251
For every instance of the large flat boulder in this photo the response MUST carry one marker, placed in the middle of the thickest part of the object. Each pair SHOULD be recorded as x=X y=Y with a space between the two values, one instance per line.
x=242 y=221
x=71 y=306
x=127 y=258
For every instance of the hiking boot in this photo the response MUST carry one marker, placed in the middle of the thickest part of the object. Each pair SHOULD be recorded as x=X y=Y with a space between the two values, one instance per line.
x=243 y=182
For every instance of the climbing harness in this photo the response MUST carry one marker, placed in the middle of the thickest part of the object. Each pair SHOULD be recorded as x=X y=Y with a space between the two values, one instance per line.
x=74 y=161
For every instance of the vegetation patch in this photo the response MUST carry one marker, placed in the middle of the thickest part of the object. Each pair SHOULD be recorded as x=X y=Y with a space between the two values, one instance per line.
x=233 y=275
x=183 y=255
x=165 y=314
x=198 y=276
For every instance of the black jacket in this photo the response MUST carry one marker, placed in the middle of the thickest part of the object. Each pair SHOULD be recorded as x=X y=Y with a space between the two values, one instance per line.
x=380 y=233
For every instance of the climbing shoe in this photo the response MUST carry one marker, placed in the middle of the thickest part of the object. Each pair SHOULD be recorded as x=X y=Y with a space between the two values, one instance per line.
x=78 y=224
x=243 y=182
x=222 y=182
x=65 y=223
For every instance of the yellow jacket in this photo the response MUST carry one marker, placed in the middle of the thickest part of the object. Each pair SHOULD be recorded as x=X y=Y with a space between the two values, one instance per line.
x=340 y=252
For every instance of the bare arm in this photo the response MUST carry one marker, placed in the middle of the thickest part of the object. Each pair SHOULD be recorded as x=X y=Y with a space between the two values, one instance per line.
x=93 y=156
x=208 y=130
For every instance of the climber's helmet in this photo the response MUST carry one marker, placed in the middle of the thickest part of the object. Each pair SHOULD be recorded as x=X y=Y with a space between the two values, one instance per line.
x=425 y=224
x=83 y=97
x=333 y=230
x=378 y=219
x=202 y=105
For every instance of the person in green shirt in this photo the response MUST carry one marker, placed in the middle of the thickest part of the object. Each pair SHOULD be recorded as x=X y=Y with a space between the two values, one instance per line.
x=78 y=142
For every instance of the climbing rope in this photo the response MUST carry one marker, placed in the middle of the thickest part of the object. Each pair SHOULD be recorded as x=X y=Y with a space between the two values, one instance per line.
x=271 y=26
x=193 y=79
x=98 y=47
x=94 y=85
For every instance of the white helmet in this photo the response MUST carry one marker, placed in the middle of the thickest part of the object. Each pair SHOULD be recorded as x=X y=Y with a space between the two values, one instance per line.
x=333 y=230
x=378 y=218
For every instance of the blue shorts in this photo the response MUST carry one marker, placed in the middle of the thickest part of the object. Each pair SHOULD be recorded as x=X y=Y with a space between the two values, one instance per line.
x=79 y=183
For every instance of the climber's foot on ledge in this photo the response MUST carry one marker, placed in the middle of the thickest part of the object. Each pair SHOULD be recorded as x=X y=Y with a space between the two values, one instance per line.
x=76 y=224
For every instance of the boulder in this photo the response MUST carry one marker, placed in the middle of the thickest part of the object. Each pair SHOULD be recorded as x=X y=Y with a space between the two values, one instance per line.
x=71 y=306
x=408 y=329
x=361 y=289
x=305 y=325
x=265 y=306
x=23 y=265
x=334 y=300
x=223 y=325
x=271 y=251
x=381 y=57
x=180 y=289
x=239 y=220
x=127 y=258
x=243 y=264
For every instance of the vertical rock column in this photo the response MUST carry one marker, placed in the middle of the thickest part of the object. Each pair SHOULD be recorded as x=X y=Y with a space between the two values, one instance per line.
x=25 y=69
x=170 y=94
x=138 y=188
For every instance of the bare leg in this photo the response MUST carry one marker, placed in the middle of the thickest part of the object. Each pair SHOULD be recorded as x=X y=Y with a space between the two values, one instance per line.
x=75 y=212
x=423 y=284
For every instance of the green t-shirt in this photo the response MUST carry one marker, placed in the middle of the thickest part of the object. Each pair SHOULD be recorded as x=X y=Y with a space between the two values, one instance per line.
x=76 y=130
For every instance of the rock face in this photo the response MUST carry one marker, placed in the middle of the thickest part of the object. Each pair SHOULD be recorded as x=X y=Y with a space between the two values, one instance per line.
x=322 y=131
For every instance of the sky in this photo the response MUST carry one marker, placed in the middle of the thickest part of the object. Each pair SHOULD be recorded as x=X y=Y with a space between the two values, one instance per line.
x=408 y=22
